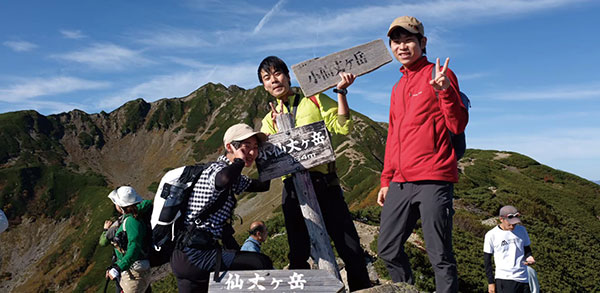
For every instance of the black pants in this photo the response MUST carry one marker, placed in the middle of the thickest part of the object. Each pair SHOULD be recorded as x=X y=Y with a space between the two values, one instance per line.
x=192 y=279
x=510 y=286
x=338 y=223
x=404 y=204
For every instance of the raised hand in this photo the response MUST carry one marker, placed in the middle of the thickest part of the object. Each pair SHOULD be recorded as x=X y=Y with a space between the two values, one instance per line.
x=347 y=80
x=275 y=114
x=441 y=82
x=238 y=152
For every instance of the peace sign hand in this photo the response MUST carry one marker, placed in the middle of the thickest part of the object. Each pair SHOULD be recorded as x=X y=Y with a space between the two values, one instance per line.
x=441 y=82
x=275 y=114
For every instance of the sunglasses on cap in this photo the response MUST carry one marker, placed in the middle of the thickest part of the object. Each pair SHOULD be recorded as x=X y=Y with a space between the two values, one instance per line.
x=510 y=216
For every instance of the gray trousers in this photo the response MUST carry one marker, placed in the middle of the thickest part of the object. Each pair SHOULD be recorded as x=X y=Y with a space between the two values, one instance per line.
x=404 y=204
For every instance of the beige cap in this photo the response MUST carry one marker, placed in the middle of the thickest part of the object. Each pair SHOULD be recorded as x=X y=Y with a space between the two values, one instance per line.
x=124 y=196
x=240 y=132
x=408 y=23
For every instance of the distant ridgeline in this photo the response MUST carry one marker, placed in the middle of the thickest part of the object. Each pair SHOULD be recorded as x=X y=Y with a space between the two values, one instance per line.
x=56 y=170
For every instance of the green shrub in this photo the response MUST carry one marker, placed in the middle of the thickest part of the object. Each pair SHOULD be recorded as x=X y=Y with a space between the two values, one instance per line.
x=85 y=140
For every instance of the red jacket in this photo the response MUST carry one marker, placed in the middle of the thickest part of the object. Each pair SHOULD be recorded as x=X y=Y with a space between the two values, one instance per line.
x=418 y=144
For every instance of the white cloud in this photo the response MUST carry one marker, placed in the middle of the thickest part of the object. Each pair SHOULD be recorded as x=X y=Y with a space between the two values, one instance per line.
x=230 y=7
x=188 y=62
x=377 y=97
x=471 y=76
x=183 y=83
x=282 y=30
x=174 y=38
x=307 y=27
x=556 y=118
x=566 y=92
x=307 y=44
x=106 y=57
x=72 y=34
x=268 y=16
x=37 y=87
x=20 y=46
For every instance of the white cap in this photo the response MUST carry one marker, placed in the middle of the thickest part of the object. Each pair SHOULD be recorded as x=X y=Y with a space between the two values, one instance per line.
x=124 y=196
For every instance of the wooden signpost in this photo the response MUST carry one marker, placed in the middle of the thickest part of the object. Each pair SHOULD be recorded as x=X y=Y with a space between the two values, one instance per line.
x=319 y=74
x=294 y=150
x=276 y=281
x=320 y=247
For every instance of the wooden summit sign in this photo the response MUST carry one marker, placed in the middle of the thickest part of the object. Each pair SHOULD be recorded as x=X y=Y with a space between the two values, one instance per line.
x=319 y=74
x=294 y=150
x=276 y=281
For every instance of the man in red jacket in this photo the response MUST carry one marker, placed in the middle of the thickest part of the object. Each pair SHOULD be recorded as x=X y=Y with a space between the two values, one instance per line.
x=420 y=164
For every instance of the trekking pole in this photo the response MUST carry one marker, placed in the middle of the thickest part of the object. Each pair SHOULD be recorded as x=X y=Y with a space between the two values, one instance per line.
x=106 y=284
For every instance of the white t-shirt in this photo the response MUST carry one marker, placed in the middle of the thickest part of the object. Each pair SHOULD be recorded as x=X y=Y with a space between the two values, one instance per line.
x=508 y=250
x=3 y=221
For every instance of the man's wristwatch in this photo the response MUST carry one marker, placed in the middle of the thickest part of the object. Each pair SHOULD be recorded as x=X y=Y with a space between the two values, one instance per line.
x=340 y=91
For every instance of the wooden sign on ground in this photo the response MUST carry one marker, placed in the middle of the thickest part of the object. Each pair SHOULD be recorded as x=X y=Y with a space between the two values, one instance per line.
x=294 y=150
x=276 y=281
x=319 y=74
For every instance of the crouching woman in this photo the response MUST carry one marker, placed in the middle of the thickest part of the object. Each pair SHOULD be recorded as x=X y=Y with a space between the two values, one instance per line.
x=210 y=206
x=132 y=268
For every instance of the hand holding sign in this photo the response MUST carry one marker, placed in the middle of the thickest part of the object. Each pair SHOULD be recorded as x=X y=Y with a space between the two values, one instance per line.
x=347 y=80
x=441 y=82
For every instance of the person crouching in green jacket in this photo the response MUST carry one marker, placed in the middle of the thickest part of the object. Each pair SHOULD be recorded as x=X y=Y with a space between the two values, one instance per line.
x=132 y=268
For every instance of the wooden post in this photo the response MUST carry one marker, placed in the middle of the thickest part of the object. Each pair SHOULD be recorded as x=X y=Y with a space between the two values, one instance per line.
x=321 y=250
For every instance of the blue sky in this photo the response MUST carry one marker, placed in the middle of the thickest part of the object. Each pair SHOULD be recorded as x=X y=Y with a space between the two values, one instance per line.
x=529 y=66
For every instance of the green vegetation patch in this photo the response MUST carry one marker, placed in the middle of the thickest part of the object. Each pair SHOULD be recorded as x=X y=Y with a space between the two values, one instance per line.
x=168 y=112
x=24 y=133
x=135 y=114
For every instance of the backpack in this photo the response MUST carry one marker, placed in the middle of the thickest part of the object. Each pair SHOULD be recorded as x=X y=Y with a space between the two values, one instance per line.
x=459 y=141
x=169 y=206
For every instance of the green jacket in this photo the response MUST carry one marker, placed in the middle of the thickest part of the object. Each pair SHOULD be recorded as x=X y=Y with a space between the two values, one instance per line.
x=136 y=231
x=308 y=113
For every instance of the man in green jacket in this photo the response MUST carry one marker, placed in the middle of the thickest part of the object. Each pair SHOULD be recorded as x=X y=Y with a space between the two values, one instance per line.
x=273 y=73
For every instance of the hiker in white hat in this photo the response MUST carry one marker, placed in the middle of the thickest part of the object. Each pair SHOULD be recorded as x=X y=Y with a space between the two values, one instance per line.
x=132 y=268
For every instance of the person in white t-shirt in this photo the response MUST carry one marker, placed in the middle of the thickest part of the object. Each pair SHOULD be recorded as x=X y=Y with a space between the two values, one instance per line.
x=509 y=244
